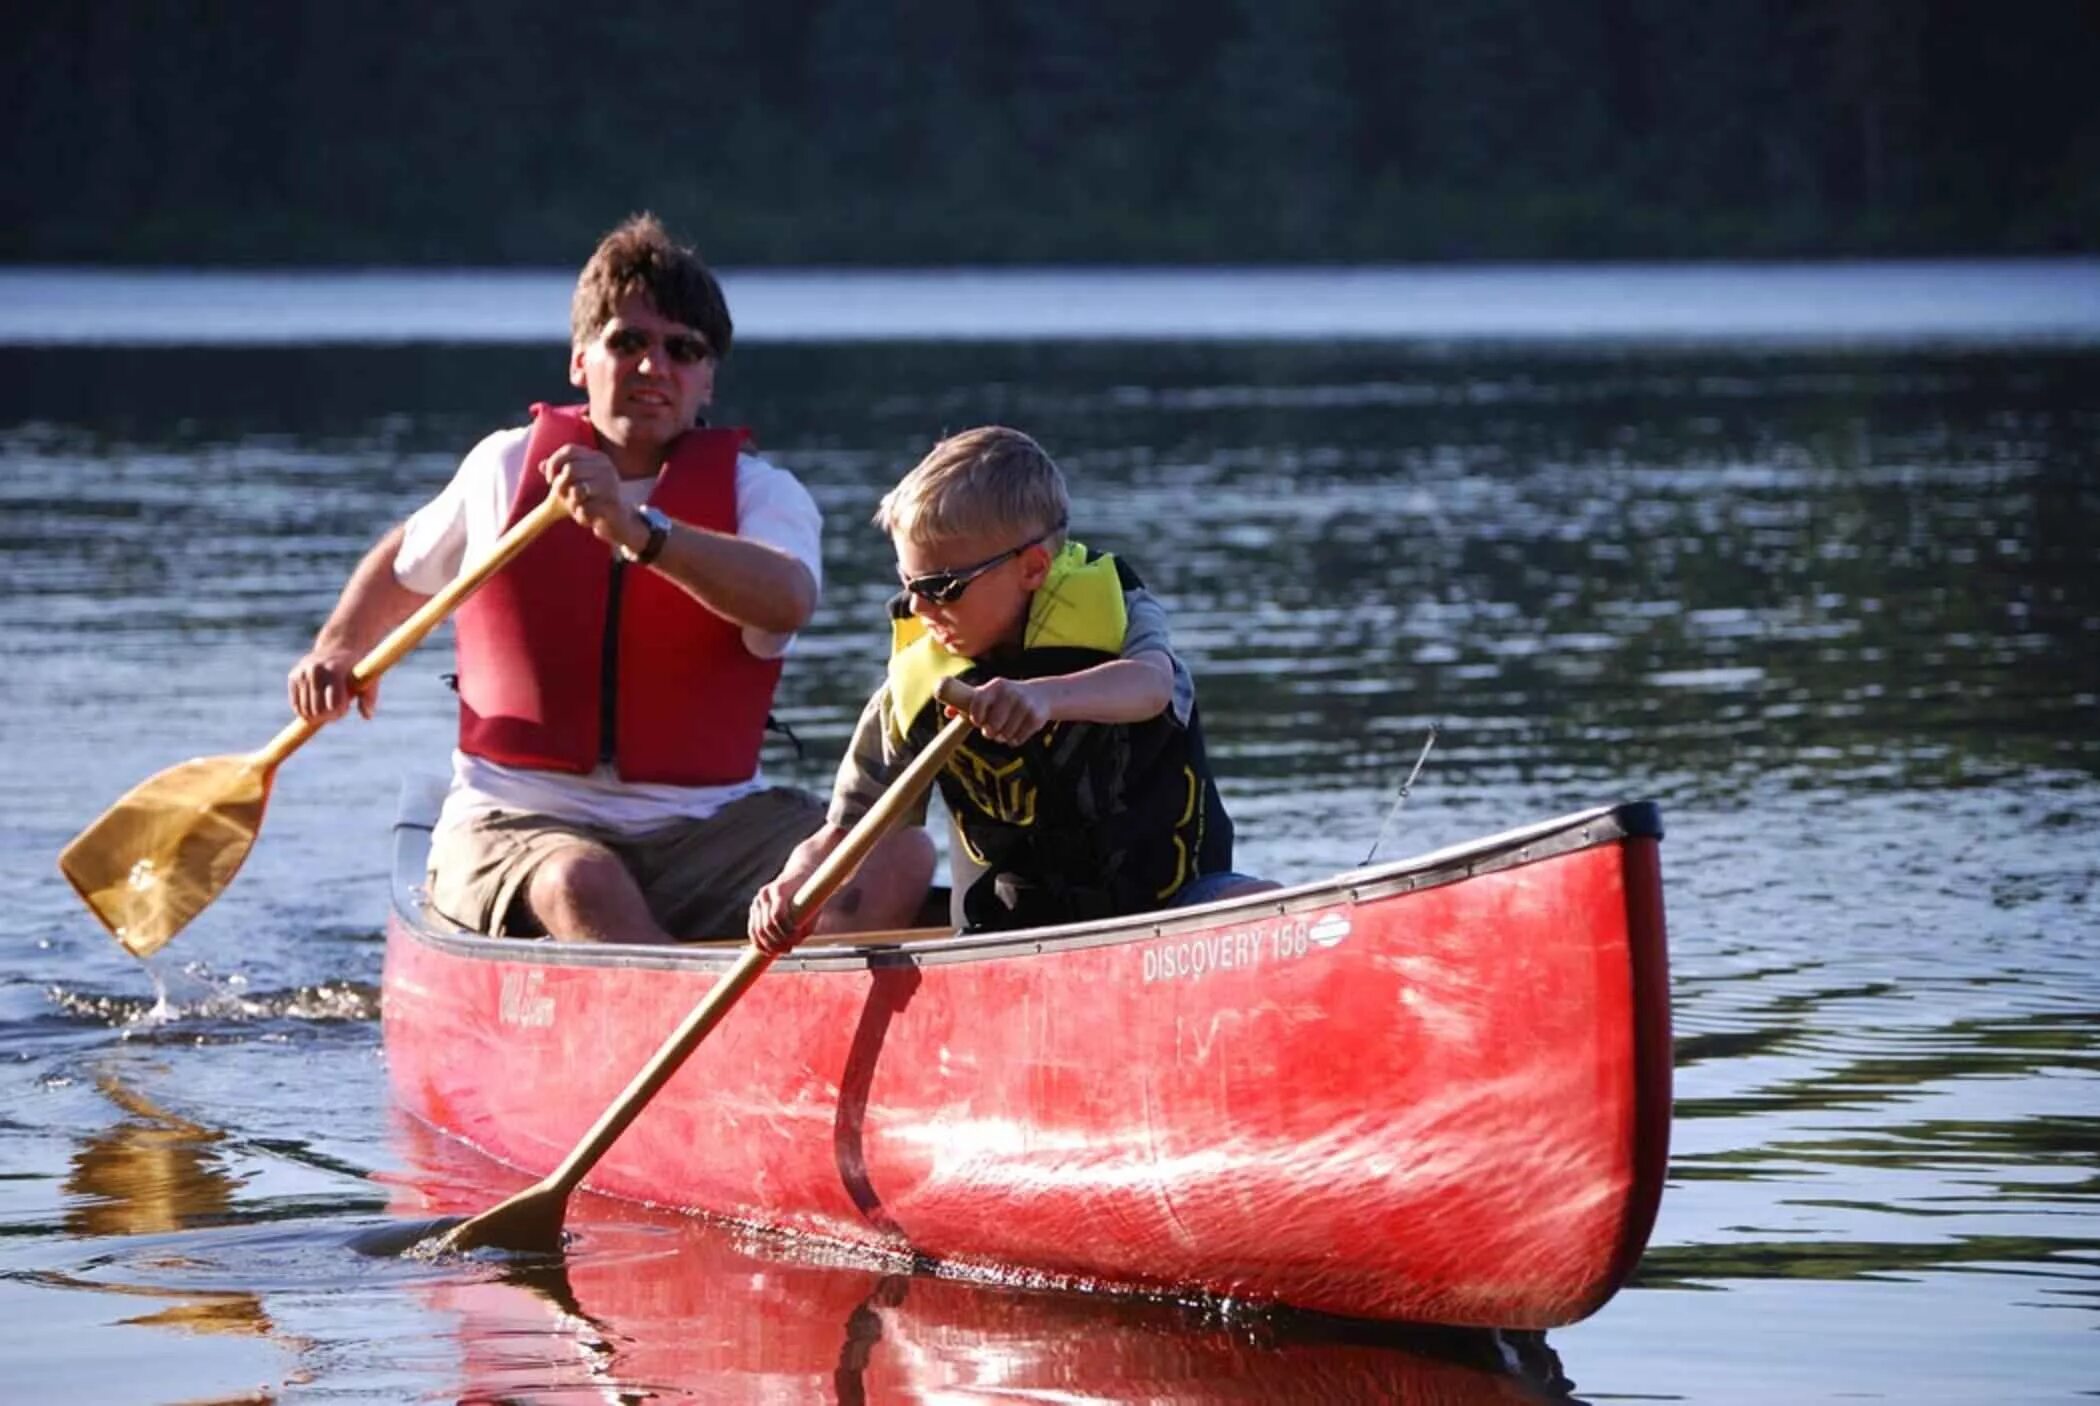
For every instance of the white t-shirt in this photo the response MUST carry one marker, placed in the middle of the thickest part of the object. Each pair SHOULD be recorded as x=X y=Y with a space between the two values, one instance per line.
x=464 y=521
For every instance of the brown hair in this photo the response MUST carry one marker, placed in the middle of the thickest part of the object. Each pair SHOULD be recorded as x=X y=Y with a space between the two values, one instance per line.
x=990 y=481
x=640 y=257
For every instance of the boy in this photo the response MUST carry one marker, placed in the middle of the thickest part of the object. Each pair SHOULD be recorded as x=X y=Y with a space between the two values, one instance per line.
x=1084 y=792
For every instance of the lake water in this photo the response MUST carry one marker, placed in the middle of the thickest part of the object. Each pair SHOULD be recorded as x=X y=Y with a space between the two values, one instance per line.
x=1824 y=582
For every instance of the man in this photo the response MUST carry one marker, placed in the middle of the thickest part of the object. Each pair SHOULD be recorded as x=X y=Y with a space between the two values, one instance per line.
x=615 y=678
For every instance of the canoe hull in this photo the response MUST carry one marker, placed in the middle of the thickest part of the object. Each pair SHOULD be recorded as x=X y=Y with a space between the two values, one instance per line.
x=1431 y=1092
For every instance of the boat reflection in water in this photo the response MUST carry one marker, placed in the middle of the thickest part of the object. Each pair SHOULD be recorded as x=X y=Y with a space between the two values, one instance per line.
x=650 y=1304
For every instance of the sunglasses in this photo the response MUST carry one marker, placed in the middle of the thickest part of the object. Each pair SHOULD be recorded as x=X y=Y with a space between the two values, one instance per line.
x=685 y=348
x=946 y=587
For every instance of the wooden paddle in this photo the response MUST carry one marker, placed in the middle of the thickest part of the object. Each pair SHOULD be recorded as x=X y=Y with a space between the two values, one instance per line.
x=159 y=856
x=532 y=1220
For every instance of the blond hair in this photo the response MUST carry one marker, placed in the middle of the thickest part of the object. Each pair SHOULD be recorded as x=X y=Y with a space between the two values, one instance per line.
x=986 y=482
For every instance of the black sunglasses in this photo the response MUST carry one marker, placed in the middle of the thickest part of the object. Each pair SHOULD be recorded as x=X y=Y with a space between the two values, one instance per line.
x=946 y=587
x=685 y=348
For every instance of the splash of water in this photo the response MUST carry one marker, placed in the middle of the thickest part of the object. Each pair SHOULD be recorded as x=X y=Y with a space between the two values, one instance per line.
x=193 y=992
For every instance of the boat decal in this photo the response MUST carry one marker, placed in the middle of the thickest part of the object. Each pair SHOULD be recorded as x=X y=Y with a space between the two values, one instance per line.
x=1328 y=929
x=1284 y=939
x=521 y=1002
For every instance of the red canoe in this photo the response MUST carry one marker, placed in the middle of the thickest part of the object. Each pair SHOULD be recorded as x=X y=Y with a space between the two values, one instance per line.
x=1436 y=1090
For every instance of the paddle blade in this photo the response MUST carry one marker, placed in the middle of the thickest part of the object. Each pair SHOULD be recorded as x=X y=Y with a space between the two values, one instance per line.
x=528 y=1223
x=159 y=856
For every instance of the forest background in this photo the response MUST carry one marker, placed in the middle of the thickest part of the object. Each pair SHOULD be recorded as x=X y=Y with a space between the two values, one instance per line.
x=923 y=132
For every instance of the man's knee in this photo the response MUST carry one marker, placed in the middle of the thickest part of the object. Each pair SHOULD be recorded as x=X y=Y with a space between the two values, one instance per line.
x=575 y=876
x=905 y=860
x=912 y=850
x=889 y=888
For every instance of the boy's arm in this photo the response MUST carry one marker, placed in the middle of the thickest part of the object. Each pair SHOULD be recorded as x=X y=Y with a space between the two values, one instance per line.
x=1127 y=690
x=1145 y=682
x=769 y=924
x=865 y=772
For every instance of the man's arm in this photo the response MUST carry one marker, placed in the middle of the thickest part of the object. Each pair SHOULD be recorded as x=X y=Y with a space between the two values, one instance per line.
x=748 y=583
x=373 y=602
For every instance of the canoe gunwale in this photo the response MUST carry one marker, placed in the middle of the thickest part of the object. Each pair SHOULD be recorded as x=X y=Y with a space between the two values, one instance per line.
x=1529 y=844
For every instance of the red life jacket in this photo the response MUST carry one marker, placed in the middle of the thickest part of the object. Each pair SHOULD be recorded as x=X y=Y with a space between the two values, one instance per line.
x=567 y=634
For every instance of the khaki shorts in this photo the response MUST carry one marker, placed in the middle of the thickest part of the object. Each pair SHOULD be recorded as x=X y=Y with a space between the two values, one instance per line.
x=697 y=876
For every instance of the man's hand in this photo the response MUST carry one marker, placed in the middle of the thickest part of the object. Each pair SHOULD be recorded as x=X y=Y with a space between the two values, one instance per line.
x=1010 y=710
x=320 y=690
x=745 y=581
x=588 y=487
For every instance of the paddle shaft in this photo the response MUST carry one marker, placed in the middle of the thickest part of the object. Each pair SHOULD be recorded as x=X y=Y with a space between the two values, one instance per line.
x=427 y=617
x=836 y=868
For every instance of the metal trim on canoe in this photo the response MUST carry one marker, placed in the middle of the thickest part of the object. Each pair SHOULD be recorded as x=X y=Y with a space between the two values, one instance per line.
x=1530 y=844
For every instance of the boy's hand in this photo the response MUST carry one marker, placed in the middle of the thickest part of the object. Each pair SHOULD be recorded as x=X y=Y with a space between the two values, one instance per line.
x=1010 y=710
x=770 y=924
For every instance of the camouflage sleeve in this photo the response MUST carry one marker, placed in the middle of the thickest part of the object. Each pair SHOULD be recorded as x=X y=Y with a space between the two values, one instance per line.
x=1146 y=632
x=871 y=763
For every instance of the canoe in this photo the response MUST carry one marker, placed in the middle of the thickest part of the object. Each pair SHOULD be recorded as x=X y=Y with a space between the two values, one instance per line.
x=1435 y=1090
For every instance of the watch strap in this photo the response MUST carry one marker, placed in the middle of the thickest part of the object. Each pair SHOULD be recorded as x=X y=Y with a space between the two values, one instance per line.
x=659 y=533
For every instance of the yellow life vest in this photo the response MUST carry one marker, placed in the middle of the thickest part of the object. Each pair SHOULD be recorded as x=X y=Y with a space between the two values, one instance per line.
x=1079 y=606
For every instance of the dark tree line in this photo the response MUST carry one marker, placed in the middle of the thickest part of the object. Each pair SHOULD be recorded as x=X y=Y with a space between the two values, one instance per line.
x=929 y=131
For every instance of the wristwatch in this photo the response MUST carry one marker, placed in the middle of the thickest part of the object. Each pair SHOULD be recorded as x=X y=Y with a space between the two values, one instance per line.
x=659 y=532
